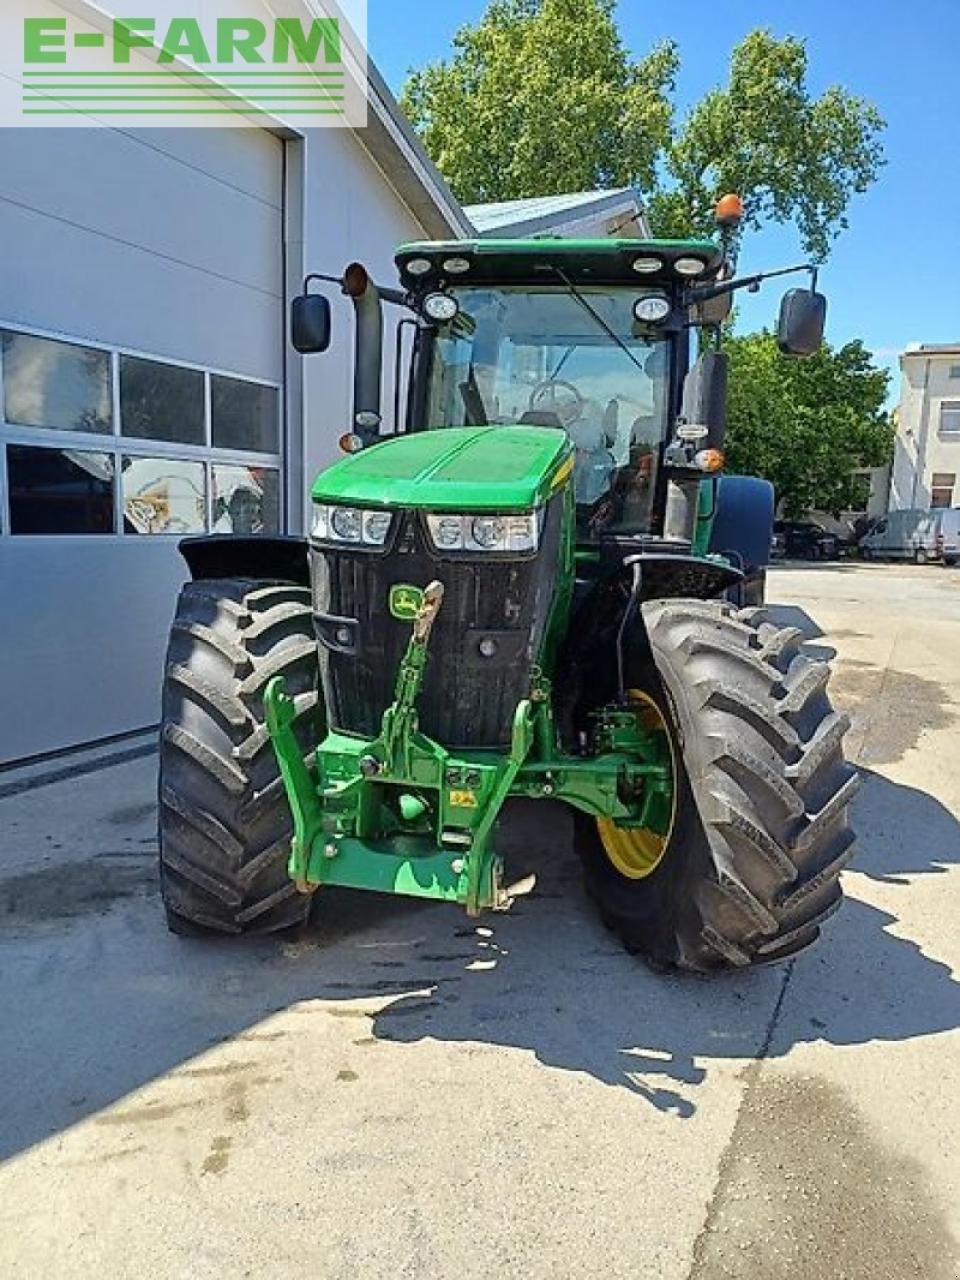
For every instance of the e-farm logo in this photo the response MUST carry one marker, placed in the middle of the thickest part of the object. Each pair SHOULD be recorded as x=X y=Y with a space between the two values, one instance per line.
x=220 y=70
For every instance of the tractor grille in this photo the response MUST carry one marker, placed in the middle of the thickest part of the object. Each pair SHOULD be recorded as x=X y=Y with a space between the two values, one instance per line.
x=466 y=700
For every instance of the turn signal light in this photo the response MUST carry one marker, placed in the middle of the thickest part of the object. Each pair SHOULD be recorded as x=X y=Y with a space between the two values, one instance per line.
x=710 y=460
x=350 y=442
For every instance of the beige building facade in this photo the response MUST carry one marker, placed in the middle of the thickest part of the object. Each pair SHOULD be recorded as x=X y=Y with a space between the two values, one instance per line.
x=926 y=464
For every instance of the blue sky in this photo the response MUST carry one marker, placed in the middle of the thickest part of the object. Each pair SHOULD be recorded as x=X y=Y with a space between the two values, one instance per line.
x=894 y=275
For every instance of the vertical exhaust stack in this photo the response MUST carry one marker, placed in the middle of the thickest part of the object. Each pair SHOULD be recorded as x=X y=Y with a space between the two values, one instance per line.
x=368 y=352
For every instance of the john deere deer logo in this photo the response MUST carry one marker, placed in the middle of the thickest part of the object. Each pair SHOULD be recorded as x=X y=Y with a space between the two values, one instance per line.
x=405 y=601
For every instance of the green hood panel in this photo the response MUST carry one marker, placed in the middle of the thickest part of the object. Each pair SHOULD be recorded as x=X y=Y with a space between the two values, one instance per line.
x=452 y=469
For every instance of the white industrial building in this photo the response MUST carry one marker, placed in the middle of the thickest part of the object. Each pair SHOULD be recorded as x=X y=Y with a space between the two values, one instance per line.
x=147 y=390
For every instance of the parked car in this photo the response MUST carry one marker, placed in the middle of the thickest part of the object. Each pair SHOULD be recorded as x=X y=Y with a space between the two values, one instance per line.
x=804 y=540
x=915 y=534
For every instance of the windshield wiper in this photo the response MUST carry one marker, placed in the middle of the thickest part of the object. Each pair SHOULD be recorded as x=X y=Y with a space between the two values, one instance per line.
x=611 y=333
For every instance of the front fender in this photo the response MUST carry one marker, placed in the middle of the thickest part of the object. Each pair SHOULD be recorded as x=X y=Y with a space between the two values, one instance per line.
x=225 y=555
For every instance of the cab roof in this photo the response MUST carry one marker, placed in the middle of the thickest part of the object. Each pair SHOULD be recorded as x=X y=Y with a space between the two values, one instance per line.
x=604 y=261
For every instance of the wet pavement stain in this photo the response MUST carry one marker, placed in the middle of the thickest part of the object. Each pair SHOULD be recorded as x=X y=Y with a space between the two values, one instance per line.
x=227 y=1069
x=808 y=1192
x=128 y=814
x=150 y=1113
x=219 y=1157
x=75 y=889
x=883 y=707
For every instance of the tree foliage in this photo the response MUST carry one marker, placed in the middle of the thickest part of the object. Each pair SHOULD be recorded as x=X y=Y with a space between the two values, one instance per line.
x=807 y=425
x=541 y=97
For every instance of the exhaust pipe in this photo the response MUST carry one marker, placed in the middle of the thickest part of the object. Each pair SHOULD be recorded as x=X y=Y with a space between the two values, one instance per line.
x=368 y=350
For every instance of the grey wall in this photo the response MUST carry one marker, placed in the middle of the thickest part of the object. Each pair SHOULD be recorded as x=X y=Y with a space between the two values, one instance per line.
x=167 y=242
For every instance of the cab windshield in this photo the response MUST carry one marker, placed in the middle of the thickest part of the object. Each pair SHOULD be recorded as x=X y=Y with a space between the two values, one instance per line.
x=537 y=356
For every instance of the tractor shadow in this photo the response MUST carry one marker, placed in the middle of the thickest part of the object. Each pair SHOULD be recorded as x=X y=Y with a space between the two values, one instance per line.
x=93 y=1009
x=552 y=981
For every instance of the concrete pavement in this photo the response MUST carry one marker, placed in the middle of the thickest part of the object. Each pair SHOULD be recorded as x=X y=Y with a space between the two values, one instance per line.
x=397 y=1091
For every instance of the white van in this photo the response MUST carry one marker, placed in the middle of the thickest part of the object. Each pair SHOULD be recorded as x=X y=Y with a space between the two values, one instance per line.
x=915 y=535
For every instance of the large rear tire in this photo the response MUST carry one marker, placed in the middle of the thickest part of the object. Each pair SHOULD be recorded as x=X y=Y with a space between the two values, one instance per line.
x=751 y=866
x=225 y=825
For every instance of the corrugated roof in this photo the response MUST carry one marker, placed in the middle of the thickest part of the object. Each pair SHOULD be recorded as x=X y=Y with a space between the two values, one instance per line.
x=542 y=212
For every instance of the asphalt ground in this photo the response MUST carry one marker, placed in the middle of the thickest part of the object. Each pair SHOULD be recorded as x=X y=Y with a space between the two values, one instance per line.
x=398 y=1091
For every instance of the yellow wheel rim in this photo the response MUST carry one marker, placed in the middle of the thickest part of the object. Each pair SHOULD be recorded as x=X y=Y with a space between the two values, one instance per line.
x=636 y=852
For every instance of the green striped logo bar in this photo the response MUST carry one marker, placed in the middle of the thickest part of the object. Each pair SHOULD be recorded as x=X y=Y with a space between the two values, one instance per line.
x=240 y=70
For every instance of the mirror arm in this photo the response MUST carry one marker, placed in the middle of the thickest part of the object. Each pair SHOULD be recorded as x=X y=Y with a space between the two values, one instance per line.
x=396 y=296
x=749 y=282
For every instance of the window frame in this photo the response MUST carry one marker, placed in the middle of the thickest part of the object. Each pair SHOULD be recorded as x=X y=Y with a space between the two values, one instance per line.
x=952 y=406
x=942 y=488
x=117 y=445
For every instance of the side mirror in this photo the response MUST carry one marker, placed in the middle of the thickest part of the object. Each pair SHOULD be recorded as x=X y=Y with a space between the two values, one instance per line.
x=803 y=316
x=705 y=398
x=310 y=323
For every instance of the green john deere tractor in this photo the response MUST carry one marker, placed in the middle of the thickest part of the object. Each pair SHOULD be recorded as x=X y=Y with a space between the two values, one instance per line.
x=535 y=589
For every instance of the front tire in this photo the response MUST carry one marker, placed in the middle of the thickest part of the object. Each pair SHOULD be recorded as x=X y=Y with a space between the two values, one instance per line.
x=760 y=835
x=225 y=824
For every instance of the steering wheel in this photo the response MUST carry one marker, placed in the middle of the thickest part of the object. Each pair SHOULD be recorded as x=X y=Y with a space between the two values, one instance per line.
x=544 y=397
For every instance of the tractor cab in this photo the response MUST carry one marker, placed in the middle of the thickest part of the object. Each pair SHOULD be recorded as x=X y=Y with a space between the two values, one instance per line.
x=587 y=337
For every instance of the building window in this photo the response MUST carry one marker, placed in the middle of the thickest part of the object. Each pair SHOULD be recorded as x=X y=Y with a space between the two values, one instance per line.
x=245 y=499
x=245 y=415
x=954 y=374
x=941 y=489
x=950 y=418
x=59 y=490
x=182 y=450
x=56 y=384
x=164 y=495
x=161 y=401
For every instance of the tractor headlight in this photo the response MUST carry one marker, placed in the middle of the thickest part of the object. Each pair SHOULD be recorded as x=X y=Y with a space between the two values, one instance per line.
x=440 y=307
x=652 y=309
x=494 y=534
x=689 y=266
x=346 y=526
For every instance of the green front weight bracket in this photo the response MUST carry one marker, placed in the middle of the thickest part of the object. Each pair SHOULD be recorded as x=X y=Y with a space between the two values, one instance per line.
x=402 y=814
x=433 y=839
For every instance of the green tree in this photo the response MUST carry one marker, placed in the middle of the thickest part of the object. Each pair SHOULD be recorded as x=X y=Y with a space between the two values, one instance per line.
x=541 y=97
x=807 y=425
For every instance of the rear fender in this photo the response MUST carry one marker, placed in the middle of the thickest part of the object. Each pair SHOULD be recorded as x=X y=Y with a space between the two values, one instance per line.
x=231 y=556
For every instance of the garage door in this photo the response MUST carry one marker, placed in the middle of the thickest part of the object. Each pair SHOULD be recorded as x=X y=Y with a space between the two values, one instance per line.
x=141 y=359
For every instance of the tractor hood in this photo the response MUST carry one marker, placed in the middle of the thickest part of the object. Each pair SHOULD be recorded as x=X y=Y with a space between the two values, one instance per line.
x=453 y=469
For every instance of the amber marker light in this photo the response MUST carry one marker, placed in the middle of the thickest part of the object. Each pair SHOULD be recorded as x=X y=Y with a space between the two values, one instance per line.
x=710 y=460
x=355 y=280
x=729 y=210
x=350 y=443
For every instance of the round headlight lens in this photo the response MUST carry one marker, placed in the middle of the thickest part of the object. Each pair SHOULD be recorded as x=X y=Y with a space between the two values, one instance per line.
x=346 y=524
x=651 y=310
x=419 y=267
x=448 y=532
x=647 y=266
x=690 y=266
x=487 y=531
x=440 y=307
x=376 y=526
x=456 y=266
